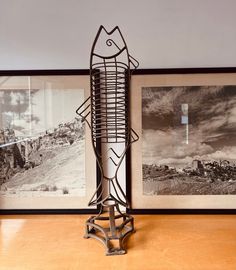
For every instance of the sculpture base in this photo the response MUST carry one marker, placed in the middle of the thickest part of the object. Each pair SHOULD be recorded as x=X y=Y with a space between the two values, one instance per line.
x=111 y=229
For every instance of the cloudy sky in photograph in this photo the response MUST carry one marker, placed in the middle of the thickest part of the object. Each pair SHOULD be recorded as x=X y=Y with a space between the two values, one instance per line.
x=212 y=124
x=31 y=112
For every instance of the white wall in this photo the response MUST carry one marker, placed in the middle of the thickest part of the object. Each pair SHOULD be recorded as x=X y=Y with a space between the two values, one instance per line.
x=57 y=34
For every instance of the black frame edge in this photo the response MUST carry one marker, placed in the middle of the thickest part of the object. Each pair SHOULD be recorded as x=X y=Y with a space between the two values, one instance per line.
x=47 y=211
x=128 y=183
x=199 y=70
x=46 y=72
x=182 y=211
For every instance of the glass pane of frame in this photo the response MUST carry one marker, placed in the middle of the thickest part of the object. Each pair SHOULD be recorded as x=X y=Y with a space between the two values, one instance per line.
x=46 y=158
x=185 y=156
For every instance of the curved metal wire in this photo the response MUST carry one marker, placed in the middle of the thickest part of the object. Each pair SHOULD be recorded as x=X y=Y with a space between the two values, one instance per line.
x=109 y=109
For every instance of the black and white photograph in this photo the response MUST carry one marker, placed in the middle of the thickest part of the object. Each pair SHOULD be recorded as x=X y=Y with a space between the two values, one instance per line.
x=188 y=140
x=42 y=141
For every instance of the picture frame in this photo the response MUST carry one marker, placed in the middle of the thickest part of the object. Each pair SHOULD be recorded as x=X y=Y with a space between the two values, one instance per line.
x=161 y=105
x=47 y=160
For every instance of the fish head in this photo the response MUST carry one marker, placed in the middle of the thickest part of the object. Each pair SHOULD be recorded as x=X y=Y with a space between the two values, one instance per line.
x=108 y=44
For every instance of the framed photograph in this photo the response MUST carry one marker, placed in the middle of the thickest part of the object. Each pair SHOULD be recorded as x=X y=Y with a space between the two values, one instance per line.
x=47 y=164
x=185 y=160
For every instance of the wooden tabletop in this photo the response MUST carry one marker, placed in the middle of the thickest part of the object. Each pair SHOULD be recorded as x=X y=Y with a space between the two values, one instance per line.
x=162 y=242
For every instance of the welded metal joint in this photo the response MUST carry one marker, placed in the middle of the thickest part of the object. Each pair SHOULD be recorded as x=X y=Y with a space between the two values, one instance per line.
x=107 y=113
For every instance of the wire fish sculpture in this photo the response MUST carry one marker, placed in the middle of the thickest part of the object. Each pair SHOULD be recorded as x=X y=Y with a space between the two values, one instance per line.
x=108 y=108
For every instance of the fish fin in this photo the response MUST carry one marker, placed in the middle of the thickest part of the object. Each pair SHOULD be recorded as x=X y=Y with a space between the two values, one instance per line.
x=133 y=136
x=133 y=62
x=84 y=110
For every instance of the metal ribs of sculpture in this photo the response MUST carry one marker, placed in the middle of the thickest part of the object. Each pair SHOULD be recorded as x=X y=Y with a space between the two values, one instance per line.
x=111 y=134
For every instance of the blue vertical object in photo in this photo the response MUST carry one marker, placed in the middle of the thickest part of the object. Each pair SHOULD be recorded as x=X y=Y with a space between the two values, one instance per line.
x=185 y=120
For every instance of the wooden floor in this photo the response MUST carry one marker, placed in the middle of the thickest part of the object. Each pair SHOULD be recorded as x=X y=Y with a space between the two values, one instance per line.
x=160 y=242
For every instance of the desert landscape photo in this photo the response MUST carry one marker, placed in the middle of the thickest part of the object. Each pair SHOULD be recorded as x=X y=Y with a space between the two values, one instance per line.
x=42 y=143
x=188 y=140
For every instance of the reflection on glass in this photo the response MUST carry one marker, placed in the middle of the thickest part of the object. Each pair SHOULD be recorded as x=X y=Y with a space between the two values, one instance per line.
x=41 y=140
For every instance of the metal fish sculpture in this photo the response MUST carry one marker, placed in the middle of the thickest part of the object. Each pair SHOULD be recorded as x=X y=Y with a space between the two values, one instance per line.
x=111 y=134
x=108 y=107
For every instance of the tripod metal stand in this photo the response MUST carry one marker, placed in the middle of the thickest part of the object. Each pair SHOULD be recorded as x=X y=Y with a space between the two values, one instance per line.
x=111 y=135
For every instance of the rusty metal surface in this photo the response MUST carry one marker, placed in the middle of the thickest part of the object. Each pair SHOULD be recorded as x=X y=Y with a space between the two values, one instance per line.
x=109 y=228
x=108 y=109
